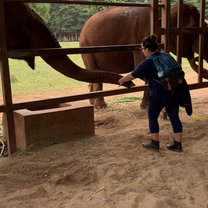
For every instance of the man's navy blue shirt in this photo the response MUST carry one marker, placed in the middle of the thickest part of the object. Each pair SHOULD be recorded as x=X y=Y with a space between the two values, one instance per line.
x=147 y=71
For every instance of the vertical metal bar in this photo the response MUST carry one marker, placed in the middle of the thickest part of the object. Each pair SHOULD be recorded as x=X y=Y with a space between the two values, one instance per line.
x=201 y=39
x=6 y=86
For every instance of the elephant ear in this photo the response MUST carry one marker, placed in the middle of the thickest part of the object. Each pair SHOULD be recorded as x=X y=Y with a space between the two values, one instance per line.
x=30 y=61
x=28 y=45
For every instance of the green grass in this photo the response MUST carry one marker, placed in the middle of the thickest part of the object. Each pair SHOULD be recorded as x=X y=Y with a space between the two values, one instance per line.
x=124 y=99
x=185 y=64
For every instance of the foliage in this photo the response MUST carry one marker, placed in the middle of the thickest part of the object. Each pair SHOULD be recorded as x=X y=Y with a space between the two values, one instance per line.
x=67 y=18
x=42 y=9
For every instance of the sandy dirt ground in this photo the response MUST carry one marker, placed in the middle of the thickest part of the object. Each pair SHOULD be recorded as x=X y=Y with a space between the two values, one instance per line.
x=111 y=169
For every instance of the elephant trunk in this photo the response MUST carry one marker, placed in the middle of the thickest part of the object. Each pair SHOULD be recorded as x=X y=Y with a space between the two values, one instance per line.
x=66 y=67
x=194 y=66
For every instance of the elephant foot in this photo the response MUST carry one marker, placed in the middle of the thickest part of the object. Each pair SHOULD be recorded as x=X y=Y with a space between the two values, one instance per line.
x=98 y=103
x=143 y=104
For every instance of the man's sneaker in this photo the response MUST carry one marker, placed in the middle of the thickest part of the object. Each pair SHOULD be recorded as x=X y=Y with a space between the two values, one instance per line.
x=175 y=146
x=152 y=145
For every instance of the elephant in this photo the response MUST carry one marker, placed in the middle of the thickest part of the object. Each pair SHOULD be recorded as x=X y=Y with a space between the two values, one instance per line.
x=129 y=25
x=25 y=29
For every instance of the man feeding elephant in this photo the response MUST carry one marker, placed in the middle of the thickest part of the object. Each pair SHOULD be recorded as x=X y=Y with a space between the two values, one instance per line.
x=160 y=96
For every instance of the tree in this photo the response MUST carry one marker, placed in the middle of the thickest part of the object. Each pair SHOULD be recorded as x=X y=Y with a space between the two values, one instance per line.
x=67 y=18
x=42 y=9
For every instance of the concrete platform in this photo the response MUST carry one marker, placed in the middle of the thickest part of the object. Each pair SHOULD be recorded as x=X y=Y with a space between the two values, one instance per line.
x=53 y=125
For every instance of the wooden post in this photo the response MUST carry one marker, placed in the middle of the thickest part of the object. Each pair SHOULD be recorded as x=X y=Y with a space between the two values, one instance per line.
x=179 y=26
x=201 y=39
x=154 y=17
x=6 y=86
x=165 y=23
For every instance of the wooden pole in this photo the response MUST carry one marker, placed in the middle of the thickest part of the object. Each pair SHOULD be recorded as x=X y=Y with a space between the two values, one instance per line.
x=6 y=86
x=165 y=23
x=154 y=17
x=201 y=39
x=179 y=26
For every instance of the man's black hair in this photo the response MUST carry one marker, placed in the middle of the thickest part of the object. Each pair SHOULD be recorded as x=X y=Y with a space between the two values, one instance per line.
x=150 y=42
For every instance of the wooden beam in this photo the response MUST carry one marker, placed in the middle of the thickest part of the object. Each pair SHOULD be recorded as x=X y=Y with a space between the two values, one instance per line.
x=94 y=3
x=62 y=51
x=165 y=23
x=41 y=103
x=55 y=101
x=154 y=17
x=201 y=40
x=179 y=26
x=175 y=30
x=6 y=87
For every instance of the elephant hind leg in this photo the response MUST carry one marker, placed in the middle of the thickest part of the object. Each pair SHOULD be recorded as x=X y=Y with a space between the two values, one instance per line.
x=98 y=103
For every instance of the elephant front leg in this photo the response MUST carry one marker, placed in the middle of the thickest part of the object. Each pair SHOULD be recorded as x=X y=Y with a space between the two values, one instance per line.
x=98 y=103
